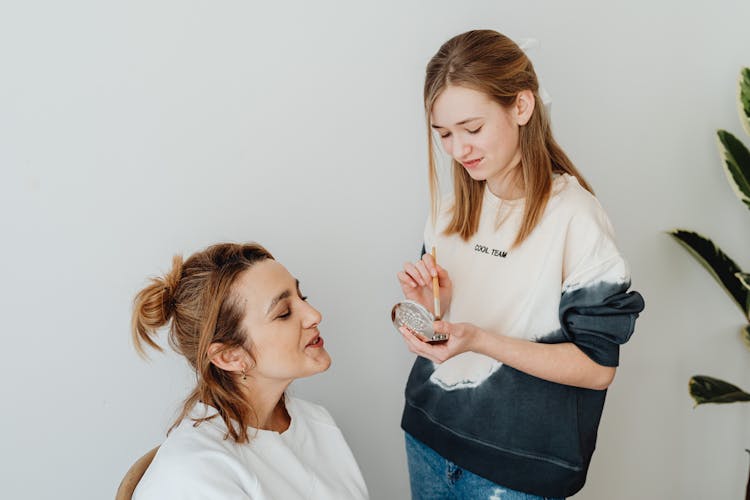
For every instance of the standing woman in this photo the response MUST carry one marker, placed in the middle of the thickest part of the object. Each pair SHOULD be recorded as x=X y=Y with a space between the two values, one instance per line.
x=533 y=286
x=240 y=320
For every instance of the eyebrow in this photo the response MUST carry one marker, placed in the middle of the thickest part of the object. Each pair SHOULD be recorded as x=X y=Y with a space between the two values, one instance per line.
x=459 y=123
x=283 y=295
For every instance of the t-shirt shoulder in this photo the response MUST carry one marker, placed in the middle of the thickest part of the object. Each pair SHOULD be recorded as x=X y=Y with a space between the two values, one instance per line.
x=590 y=255
x=196 y=460
x=188 y=444
x=569 y=198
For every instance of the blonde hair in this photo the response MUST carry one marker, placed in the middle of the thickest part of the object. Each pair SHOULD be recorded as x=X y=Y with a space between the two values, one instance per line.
x=489 y=62
x=197 y=301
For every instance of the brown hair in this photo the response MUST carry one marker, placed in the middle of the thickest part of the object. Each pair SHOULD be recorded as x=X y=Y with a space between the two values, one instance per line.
x=489 y=62
x=196 y=298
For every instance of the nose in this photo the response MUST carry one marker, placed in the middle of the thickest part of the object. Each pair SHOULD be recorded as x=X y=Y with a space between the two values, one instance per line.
x=460 y=149
x=311 y=317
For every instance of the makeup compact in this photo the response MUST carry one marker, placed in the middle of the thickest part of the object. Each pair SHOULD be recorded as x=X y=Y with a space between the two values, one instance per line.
x=417 y=319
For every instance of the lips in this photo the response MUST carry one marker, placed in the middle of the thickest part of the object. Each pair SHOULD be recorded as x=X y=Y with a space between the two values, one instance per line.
x=471 y=163
x=316 y=341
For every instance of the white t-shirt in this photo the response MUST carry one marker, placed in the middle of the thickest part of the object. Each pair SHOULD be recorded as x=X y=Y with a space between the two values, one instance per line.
x=310 y=460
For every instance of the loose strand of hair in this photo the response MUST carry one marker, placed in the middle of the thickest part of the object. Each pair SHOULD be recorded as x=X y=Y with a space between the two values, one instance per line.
x=434 y=183
x=536 y=170
x=467 y=209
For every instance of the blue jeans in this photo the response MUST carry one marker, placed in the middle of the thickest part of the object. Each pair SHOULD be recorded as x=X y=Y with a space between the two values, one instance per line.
x=432 y=477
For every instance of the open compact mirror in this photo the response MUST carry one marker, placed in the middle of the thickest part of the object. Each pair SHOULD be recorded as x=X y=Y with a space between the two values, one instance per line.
x=417 y=319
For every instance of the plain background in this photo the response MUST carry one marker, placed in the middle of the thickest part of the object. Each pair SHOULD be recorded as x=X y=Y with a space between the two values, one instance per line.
x=130 y=131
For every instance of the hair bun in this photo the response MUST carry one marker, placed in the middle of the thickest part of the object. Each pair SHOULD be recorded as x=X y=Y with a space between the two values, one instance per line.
x=171 y=281
x=154 y=306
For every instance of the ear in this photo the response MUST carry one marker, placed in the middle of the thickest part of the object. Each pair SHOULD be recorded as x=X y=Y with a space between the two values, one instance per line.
x=524 y=107
x=233 y=359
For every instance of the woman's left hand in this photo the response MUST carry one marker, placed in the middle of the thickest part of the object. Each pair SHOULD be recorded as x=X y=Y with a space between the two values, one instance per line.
x=462 y=337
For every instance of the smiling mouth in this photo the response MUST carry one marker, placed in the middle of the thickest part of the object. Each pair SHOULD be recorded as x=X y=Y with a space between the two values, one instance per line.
x=471 y=163
x=318 y=340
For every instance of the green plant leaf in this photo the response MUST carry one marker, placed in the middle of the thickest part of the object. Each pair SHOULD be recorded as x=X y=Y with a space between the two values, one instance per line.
x=736 y=159
x=745 y=333
x=705 y=389
x=718 y=264
x=744 y=279
x=744 y=99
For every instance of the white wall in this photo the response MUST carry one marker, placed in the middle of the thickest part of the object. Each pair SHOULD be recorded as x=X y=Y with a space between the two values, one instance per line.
x=133 y=130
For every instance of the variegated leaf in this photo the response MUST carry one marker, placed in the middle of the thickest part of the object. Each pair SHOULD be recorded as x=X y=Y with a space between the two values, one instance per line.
x=705 y=389
x=718 y=264
x=744 y=99
x=736 y=160
x=744 y=279
x=746 y=335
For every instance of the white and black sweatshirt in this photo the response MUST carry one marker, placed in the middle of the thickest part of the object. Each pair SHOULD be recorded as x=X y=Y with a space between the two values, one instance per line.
x=567 y=282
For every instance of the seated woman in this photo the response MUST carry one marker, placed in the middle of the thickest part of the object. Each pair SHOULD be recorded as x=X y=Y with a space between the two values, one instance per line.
x=240 y=319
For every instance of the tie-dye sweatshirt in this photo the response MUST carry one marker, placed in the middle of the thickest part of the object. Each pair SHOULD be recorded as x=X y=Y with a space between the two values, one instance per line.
x=567 y=282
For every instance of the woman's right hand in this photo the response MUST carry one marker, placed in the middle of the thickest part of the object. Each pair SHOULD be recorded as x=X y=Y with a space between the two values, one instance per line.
x=416 y=283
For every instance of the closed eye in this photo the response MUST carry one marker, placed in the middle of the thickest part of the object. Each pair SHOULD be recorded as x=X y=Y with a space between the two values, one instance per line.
x=445 y=136
x=288 y=312
x=476 y=130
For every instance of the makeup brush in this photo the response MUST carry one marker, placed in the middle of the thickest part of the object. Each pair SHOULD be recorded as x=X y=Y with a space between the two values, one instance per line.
x=435 y=286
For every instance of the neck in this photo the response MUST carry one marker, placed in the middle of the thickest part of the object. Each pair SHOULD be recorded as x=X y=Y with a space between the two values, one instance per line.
x=506 y=184
x=266 y=400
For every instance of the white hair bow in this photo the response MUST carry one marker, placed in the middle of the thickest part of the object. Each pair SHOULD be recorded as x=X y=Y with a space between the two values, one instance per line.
x=527 y=44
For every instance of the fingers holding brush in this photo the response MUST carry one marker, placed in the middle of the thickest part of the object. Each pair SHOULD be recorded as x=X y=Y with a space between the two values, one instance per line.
x=417 y=272
x=442 y=287
x=426 y=283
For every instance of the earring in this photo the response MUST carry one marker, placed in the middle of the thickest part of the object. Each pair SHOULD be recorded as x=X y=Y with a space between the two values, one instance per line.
x=245 y=369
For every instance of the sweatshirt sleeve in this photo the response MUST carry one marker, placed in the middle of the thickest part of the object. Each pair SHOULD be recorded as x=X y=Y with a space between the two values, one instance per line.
x=597 y=313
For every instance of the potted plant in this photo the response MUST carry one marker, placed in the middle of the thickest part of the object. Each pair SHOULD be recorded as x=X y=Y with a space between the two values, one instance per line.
x=736 y=162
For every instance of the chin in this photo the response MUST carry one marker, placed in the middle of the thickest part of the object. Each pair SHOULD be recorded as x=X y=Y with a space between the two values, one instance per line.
x=327 y=365
x=326 y=362
x=477 y=175
x=321 y=362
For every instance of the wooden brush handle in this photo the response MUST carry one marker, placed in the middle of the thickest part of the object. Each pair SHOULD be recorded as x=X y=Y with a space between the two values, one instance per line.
x=436 y=286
